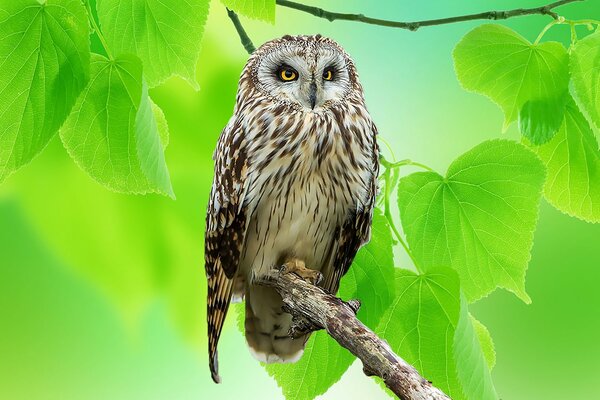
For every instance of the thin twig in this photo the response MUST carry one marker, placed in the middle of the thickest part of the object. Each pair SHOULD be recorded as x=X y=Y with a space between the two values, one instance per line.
x=323 y=310
x=388 y=216
x=244 y=38
x=413 y=26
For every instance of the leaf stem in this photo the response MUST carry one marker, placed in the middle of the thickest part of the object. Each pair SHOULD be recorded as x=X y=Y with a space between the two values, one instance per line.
x=402 y=163
x=415 y=25
x=389 y=147
x=571 y=23
x=96 y=29
x=573 y=34
x=543 y=32
x=388 y=216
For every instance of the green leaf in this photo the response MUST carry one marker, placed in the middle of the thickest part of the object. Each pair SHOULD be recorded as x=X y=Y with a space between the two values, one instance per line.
x=539 y=120
x=573 y=162
x=498 y=62
x=585 y=72
x=44 y=59
x=428 y=324
x=370 y=279
x=420 y=323
x=112 y=133
x=162 y=124
x=323 y=363
x=164 y=35
x=257 y=9
x=486 y=342
x=479 y=219
x=371 y=276
x=471 y=362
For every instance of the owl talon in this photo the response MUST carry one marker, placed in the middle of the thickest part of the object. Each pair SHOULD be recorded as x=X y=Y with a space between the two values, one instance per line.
x=299 y=268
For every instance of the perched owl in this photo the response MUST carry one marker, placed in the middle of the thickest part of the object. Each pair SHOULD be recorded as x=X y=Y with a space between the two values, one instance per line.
x=295 y=179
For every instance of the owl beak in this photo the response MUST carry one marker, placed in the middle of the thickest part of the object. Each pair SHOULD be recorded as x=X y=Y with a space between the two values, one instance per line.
x=312 y=94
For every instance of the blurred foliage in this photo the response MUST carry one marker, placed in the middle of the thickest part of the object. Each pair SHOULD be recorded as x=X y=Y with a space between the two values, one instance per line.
x=137 y=247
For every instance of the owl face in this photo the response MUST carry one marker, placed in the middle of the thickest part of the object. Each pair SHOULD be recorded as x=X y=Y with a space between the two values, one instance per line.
x=311 y=72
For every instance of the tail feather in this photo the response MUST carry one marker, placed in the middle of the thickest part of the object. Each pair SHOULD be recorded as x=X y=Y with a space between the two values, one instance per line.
x=267 y=327
x=219 y=297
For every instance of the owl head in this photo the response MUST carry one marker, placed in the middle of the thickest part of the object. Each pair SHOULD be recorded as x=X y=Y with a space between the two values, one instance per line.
x=312 y=73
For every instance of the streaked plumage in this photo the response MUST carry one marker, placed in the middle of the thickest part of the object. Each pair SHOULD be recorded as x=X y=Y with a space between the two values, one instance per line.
x=295 y=178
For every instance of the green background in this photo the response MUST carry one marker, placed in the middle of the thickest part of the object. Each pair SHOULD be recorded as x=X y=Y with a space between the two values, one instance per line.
x=102 y=294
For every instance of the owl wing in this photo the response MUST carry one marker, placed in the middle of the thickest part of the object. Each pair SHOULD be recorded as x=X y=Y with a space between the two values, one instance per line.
x=355 y=231
x=226 y=222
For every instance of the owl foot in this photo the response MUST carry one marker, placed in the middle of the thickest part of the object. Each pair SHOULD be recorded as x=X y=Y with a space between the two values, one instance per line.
x=299 y=268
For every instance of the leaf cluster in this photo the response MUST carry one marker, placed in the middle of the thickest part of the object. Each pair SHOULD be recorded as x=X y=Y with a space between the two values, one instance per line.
x=52 y=82
x=554 y=93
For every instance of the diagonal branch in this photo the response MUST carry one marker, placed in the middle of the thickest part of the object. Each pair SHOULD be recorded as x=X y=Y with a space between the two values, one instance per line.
x=413 y=26
x=244 y=38
x=322 y=310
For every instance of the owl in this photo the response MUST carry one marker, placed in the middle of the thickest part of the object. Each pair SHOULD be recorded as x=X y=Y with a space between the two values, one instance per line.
x=295 y=181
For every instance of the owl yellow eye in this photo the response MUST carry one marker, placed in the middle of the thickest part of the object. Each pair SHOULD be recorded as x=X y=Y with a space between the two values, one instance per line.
x=287 y=74
x=328 y=74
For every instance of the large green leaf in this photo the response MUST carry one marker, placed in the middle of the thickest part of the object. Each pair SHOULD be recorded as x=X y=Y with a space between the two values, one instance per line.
x=472 y=362
x=430 y=327
x=164 y=35
x=420 y=324
x=370 y=279
x=257 y=9
x=112 y=133
x=44 y=59
x=498 y=62
x=573 y=162
x=479 y=219
x=585 y=72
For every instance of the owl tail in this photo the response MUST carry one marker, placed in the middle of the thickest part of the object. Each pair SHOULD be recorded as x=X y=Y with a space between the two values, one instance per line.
x=267 y=327
x=219 y=297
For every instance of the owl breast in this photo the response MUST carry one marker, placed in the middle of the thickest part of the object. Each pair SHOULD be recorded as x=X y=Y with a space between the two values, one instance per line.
x=309 y=184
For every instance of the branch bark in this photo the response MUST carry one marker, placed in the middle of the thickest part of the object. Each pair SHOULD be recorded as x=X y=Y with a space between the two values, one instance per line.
x=324 y=311
x=415 y=25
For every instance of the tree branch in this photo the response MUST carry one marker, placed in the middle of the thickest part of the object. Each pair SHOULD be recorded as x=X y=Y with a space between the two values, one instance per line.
x=244 y=38
x=413 y=26
x=320 y=310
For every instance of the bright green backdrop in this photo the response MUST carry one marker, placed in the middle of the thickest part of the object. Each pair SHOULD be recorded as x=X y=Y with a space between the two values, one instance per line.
x=102 y=294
